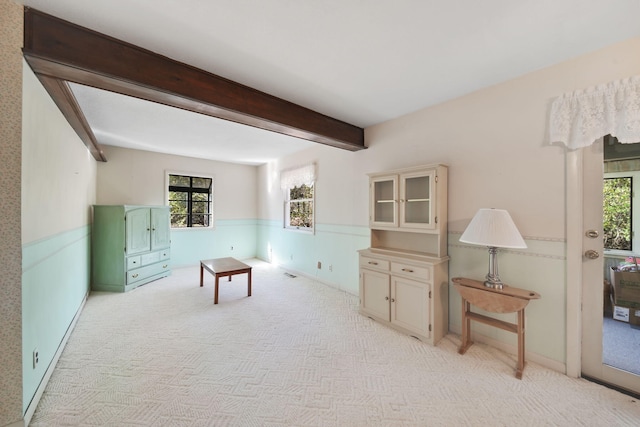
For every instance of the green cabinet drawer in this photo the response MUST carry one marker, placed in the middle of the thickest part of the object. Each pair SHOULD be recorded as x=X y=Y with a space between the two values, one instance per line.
x=146 y=272
x=150 y=258
x=133 y=262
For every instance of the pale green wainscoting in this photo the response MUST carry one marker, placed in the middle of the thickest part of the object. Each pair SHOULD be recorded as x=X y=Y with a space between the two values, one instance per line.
x=334 y=246
x=229 y=238
x=55 y=283
x=540 y=268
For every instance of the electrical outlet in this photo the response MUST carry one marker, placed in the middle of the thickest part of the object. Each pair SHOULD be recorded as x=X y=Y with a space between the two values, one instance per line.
x=319 y=265
x=36 y=357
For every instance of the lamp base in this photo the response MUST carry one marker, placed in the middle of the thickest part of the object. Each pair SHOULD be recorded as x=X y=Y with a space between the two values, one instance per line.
x=492 y=283
x=493 y=278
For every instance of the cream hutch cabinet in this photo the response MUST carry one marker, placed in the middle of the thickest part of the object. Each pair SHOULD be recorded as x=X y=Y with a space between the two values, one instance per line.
x=130 y=246
x=404 y=274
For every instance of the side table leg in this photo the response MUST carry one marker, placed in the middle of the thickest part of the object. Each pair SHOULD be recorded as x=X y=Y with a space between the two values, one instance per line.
x=520 y=366
x=466 y=328
x=249 y=280
x=201 y=275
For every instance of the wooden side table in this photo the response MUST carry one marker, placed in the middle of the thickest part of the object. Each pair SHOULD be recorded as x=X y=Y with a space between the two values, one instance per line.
x=223 y=267
x=505 y=300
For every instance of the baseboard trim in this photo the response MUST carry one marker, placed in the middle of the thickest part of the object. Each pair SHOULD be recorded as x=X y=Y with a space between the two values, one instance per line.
x=313 y=278
x=31 y=409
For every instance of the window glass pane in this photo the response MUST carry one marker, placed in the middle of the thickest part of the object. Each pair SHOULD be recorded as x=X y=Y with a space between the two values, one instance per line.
x=200 y=197
x=301 y=214
x=179 y=180
x=178 y=206
x=199 y=220
x=178 y=220
x=201 y=182
x=200 y=207
x=178 y=195
x=617 y=213
x=302 y=192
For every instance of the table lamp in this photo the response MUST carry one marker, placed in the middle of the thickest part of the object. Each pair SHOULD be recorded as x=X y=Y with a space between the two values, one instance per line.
x=494 y=229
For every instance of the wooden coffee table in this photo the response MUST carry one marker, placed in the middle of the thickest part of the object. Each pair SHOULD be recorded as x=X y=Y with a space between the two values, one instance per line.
x=222 y=267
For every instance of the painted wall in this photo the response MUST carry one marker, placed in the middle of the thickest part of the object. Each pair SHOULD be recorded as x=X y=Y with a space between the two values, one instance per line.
x=10 y=187
x=138 y=177
x=341 y=212
x=495 y=143
x=58 y=189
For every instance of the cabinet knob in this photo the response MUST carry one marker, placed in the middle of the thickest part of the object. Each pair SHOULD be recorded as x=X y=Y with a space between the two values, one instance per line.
x=165 y=266
x=408 y=270
x=386 y=298
x=134 y=275
x=393 y=300
x=373 y=263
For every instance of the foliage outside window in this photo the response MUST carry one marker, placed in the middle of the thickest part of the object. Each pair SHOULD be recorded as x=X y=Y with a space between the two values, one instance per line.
x=190 y=201
x=617 y=213
x=299 y=207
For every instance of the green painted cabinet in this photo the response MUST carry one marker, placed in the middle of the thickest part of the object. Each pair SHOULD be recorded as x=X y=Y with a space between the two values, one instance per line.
x=131 y=246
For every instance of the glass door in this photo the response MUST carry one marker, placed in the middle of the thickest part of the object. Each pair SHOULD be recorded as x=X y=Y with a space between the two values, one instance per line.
x=416 y=200
x=384 y=199
x=607 y=340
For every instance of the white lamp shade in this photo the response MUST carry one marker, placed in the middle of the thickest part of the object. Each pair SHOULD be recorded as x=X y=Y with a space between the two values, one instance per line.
x=493 y=228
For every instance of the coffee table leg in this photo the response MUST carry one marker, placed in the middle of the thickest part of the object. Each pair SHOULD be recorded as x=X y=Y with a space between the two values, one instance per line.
x=201 y=274
x=249 y=282
x=215 y=292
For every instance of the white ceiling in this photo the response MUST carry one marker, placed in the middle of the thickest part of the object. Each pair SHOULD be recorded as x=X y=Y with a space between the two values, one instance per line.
x=360 y=61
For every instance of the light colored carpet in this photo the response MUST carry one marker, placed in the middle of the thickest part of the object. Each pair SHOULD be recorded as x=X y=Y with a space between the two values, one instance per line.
x=296 y=353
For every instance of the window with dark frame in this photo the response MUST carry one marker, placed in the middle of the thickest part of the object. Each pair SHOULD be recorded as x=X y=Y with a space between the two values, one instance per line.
x=299 y=207
x=190 y=201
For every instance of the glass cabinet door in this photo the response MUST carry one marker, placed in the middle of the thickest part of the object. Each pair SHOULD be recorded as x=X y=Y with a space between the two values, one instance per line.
x=384 y=201
x=416 y=200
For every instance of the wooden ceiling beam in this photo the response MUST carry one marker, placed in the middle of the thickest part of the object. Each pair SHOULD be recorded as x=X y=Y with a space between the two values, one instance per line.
x=59 y=51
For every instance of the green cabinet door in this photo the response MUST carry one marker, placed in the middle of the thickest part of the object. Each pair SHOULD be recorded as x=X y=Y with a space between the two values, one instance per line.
x=160 y=228
x=138 y=231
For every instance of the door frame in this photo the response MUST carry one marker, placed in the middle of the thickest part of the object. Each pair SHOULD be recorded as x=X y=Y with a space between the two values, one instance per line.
x=574 y=227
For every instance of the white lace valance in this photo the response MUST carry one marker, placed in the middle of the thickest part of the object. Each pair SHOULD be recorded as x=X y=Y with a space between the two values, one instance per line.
x=295 y=177
x=578 y=119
